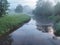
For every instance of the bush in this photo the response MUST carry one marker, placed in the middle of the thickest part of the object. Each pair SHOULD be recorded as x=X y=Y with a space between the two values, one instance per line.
x=56 y=20
x=57 y=27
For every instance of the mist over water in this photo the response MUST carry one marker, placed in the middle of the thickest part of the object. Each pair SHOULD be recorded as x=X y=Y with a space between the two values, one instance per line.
x=39 y=30
x=30 y=3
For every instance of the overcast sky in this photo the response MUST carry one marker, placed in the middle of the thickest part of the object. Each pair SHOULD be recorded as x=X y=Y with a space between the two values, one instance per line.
x=31 y=3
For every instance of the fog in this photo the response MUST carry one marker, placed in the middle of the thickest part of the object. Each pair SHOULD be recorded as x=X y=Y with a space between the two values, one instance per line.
x=30 y=3
x=41 y=16
x=44 y=9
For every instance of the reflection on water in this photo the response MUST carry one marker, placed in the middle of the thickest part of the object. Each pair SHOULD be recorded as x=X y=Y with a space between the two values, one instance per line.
x=27 y=35
x=44 y=25
x=6 y=40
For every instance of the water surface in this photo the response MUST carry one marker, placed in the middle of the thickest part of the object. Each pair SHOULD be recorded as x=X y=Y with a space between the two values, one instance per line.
x=28 y=34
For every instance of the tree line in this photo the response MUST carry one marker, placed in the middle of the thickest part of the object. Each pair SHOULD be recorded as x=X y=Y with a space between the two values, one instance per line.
x=3 y=7
x=48 y=10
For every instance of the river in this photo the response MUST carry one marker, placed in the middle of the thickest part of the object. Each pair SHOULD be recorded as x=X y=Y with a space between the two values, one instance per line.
x=28 y=34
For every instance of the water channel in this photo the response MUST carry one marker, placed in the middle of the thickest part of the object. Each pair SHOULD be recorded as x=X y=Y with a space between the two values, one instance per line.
x=28 y=34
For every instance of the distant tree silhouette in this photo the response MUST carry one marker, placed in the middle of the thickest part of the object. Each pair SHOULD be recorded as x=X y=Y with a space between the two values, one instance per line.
x=57 y=9
x=43 y=8
x=19 y=9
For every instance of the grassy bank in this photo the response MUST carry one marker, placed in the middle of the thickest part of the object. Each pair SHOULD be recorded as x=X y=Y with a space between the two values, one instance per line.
x=11 y=22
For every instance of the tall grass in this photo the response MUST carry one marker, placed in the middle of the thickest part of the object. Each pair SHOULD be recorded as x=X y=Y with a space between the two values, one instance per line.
x=8 y=22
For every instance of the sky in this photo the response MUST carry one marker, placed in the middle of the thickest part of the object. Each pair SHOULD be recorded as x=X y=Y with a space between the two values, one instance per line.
x=30 y=3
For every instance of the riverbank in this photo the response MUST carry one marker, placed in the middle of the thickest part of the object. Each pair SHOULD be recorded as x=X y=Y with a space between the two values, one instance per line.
x=9 y=23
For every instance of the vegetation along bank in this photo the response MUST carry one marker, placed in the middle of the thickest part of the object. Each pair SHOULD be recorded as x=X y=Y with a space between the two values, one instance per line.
x=9 y=23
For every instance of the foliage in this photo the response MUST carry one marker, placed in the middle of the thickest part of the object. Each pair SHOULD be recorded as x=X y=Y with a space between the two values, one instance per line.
x=3 y=7
x=55 y=18
x=43 y=8
x=57 y=27
x=57 y=9
x=19 y=9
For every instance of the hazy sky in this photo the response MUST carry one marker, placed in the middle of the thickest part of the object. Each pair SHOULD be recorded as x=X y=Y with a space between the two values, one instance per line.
x=31 y=3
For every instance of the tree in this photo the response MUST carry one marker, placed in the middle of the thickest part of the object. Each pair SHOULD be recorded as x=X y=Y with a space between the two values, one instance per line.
x=43 y=8
x=56 y=18
x=57 y=9
x=3 y=7
x=19 y=9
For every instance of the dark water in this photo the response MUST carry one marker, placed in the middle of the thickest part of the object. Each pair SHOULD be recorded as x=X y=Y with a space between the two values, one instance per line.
x=28 y=34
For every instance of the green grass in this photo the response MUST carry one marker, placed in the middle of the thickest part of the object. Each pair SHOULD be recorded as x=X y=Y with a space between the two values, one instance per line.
x=9 y=22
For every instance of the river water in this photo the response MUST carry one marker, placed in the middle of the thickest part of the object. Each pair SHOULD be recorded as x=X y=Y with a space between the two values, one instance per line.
x=28 y=34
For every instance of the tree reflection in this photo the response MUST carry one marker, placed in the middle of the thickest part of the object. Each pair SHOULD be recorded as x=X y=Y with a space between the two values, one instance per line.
x=6 y=40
